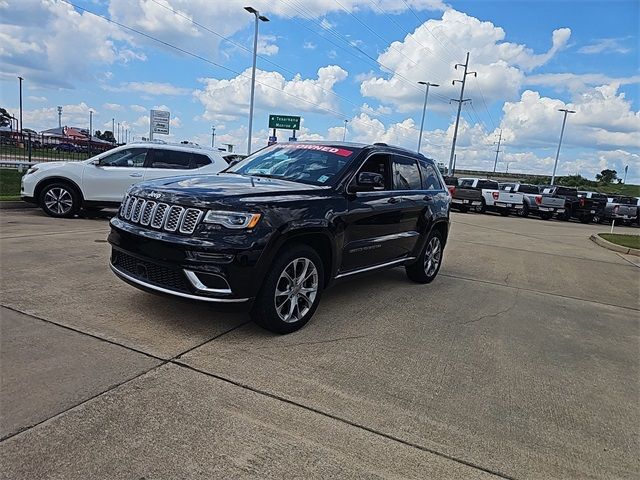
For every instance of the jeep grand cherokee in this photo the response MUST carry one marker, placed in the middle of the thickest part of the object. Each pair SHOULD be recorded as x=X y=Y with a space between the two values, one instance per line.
x=282 y=225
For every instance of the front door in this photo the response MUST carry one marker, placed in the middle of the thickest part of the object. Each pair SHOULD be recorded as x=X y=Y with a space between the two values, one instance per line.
x=109 y=179
x=373 y=224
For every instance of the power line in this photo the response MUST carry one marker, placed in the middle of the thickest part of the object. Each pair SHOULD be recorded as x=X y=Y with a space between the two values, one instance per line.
x=485 y=103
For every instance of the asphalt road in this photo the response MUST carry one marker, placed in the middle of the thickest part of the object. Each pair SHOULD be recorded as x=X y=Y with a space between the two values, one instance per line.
x=520 y=361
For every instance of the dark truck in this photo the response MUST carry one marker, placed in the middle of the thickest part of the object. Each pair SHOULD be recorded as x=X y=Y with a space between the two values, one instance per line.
x=535 y=202
x=276 y=229
x=576 y=204
x=463 y=198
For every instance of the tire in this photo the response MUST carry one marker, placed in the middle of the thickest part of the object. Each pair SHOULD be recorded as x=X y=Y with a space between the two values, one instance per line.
x=505 y=212
x=598 y=219
x=546 y=215
x=281 y=306
x=59 y=200
x=524 y=211
x=424 y=270
x=565 y=217
x=482 y=208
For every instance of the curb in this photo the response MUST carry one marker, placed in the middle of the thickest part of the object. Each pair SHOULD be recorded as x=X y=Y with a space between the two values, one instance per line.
x=612 y=246
x=14 y=205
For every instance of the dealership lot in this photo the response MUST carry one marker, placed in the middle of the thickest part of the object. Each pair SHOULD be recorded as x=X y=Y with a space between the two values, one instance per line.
x=519 y=361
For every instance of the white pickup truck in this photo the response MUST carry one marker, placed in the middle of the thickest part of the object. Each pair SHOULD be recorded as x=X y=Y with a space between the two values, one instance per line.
x=493 y=199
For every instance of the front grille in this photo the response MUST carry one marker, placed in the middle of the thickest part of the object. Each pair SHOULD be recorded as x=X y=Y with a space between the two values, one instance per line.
x=161 y=216
x=170 y=278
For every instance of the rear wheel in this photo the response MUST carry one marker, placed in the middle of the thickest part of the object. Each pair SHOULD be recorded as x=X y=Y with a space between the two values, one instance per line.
x=59 y=200
x=291 y=291
x=524 y=211
x=566 y=216
x=427 y=265
x=482 y=208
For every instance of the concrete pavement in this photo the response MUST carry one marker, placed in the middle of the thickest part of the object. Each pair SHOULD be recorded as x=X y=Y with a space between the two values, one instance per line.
x=520 y=361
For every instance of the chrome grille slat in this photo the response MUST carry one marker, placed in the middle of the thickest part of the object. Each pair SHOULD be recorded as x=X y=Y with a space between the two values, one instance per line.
x=174 y=218
x=190 y=220
x=145 y=217
x=137 y=210
x=161 y=216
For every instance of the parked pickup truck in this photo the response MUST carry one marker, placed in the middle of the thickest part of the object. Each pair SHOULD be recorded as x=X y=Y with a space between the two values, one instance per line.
x=463 y=198
x=535 y=202
x=580 y=207
x=622 y=209
x=593 y=201
x=493 y=199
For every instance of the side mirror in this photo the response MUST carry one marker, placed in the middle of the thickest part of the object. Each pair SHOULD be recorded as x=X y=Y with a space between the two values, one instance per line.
x=367 y=181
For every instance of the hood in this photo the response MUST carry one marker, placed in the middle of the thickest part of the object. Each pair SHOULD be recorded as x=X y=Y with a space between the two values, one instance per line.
x=204 y=189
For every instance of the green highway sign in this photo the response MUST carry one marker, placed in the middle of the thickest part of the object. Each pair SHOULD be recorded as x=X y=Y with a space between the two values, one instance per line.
x=286 y=122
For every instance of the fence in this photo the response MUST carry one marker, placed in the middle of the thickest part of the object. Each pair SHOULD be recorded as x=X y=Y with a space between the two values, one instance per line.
x=35 y=148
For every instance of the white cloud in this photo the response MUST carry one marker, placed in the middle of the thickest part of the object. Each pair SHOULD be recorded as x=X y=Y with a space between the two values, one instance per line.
x=149 y=88
x=603 y=119
x=73 y=115
x=605 y=45
x=35 y=99
x=266 y=45
x=229 y=99
x=52 y=44
x=309 y=46
x=112 y=106
x=422 y=56
x=138 y=108
x=578 y=83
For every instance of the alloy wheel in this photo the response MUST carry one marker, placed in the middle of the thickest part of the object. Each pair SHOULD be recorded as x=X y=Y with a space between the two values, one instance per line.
x=296 y=290
x=432 y=256
x=58 y=200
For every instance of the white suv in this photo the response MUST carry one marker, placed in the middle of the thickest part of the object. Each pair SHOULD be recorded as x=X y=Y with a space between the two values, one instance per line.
x=63 y=188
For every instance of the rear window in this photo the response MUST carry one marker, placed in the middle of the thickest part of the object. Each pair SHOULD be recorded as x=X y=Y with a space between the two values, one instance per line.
x=406 y=175
x=430 y=178
x=566 y=191
x=522 y=188
x=488 y=184
x=468 y=183
x=201 y=160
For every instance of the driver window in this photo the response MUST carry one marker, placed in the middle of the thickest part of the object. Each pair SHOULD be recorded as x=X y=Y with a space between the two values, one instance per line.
x=133 y=157
x=378 y=164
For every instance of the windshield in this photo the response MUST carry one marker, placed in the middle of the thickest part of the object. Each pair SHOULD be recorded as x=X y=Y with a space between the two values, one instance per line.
x=306 y=163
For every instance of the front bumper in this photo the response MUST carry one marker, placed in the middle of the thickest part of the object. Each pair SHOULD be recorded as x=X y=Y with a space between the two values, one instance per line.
x=185 y=266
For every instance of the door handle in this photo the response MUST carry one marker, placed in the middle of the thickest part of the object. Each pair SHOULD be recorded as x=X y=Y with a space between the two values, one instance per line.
x=393 y=200
x=137 y=175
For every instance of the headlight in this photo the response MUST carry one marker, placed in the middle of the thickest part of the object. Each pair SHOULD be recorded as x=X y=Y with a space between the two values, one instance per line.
x=236 y=220
x=31 y=170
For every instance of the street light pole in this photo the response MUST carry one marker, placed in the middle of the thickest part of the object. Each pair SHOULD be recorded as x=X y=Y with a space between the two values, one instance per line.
x=213 y=136
x=20 y=78
x=344 y=133
x=424 y=109
x=564 y=121
x=258 y=17
x=59 y=117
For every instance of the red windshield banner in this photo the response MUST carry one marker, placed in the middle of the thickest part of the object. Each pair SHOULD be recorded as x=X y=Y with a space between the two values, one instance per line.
x=320 y=148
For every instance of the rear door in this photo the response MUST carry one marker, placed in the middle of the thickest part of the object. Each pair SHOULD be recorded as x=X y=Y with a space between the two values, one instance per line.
x=373 y=222
x=408 y=182
x=109 y=178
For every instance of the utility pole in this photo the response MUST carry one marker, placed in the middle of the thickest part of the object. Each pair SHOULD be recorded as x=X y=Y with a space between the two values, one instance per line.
x=213 y=136
x=59 y=117
x=626 y=169
x=495 y=164
x=113 y=128
x=564 y=121
x=20 y=78
x=460 y=102
x=90 y=124
x=344 y=132
x=259 y=17
x=118 y=133
x=424 y=109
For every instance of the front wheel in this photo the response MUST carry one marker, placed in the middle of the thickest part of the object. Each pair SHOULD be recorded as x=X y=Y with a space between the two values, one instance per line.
x=427 y=265
x=291 y=291
x=59 y=200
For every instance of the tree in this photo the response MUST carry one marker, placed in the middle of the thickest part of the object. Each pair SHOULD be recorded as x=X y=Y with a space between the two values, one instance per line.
x=107 y=136
x=607 y=176
x=5 y=118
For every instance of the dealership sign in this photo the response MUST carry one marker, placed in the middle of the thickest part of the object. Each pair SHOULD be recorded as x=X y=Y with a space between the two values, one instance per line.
x=159 y=121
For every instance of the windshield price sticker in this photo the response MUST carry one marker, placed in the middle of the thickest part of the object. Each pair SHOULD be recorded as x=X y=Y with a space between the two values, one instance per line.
x=321 y=148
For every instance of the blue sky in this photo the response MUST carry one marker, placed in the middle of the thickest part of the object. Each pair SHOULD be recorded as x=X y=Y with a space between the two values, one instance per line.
x=331 y=60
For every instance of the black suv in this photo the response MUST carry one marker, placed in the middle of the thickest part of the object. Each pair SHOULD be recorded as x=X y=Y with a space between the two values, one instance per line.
x=281 y=225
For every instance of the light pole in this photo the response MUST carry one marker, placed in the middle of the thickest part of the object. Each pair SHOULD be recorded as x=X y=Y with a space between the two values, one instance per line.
x=344 y=133
x=20 y=78
x=256 y=13
x=424 y=109
x=213 y=136
x=118 y=133
x=564 y=121
x=59 y=117
x=113 y=128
